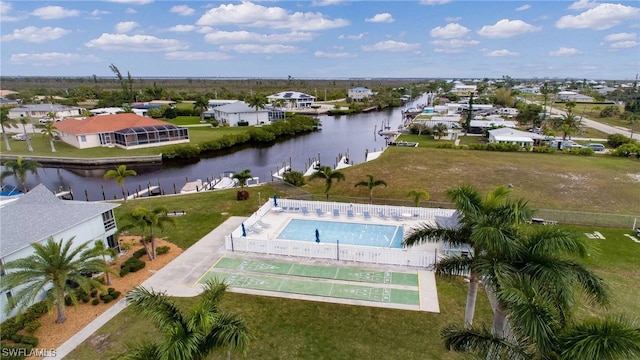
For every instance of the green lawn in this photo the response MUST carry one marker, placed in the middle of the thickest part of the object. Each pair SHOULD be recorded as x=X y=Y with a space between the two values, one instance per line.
x=598 y=183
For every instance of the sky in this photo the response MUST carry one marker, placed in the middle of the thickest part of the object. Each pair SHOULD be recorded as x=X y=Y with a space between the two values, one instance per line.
x=322 y=39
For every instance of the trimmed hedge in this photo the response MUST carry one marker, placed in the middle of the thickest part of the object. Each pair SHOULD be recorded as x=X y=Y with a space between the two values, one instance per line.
x=132 y=264
x=161 y=250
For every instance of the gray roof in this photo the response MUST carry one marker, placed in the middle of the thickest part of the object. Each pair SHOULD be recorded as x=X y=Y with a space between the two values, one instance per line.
x=38 y=214
x=236 y=107
x=43 y=107
x=514 y=132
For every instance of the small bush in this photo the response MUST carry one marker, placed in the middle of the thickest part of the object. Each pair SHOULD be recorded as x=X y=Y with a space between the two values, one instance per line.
x=139 y=253
x=242 y=195
x=446 y=145
x=294 y=178
x=582 y=151
x=132 y=264
x=110 y=290
x=85 y=299
x=544 y=149
x=115 y=294
x=32 y=327
x=95 y=302
x=126 y=245
x=10 y=327
x=124 y=271
x=68 y=300
x=161 y=250
x=106 y=298
x=181 y=152
x=94 y=292
x=615 y=140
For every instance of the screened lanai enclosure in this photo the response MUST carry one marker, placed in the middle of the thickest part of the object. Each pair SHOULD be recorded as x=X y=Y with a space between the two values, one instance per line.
x=144 y=135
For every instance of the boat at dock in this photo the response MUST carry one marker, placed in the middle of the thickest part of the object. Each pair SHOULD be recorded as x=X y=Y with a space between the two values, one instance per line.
x=314 y=167
x=404 y=143
x=280 y=173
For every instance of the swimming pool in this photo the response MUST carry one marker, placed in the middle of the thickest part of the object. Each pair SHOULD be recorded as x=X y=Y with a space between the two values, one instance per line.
x=388 y=236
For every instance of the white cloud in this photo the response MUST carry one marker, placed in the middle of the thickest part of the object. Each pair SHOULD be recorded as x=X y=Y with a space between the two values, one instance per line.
x=449 y=31
x=453 y=46
x=36 y=35
x=391 y=46
x=381 y=18
x=601 y=17
x=453 y=18
x=261 y=49
x=52 y=59
x=352 y=37
x=54 y=12
x=434 y=2
x=134 y=43
x=5 y=9
x=326 y=2
x=523 y=7
x=98 y=13
x=340 y=55
x=565 y=51
x=624 y=44
x=620 y=37
x=182 y=28
x=226 y=37
x=126 y=26
x=250 y=14
x=506 y=28
x=501 y=53
x=132 y=2
x=196 y=55
x=583 y=4
x=131 y=11
x=183 y=10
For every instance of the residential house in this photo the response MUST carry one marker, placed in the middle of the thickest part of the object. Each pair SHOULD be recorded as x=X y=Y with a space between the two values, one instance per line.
x=359 y=93
x=507 y=135
x=462 y=89
x=240 y=112
x=35 y=111
x=293 y=99
x=126 y=130
x=4 y=102
x=81 y=221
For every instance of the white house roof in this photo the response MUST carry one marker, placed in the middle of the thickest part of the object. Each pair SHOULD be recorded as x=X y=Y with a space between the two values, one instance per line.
x=42 y=107
x=237 y=107
x=491 y=123
x=513 y=138
x=290 y=95
x=513 y=133
x=52 y=215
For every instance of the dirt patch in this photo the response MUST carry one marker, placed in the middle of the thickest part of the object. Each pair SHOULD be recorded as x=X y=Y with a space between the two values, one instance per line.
x=53 y=335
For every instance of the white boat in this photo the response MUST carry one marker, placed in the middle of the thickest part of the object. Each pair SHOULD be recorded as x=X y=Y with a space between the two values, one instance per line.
x=226 y=181
x=343 y=163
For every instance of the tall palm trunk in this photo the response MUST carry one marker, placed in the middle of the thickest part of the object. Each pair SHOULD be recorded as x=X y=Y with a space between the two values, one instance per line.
x=499 y=321
x=29 y=147
x=6 y=139
x=62 y=316
x=472 y=294
x=153 y=244
x=53 y=147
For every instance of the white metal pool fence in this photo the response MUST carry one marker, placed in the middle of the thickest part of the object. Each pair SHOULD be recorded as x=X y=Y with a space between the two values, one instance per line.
x=334 y=250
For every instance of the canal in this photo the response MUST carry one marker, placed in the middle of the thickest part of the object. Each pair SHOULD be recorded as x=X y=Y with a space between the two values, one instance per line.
x=351 y=135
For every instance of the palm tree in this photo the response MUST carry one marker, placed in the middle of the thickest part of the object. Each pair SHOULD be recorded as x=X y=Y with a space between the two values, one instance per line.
x=19 y=169
x=257 y=102
x=24 y=123
x=100 y=249
x=439 y=130
x=242 y=177
x=120 y=174
x=201 y=105
x=144 y=219
x=49 y=130
x=483 y=225
x=190 y=336
x=371 y=183
x=328 y=175
x=52 y=264
x=569 y=124
x=417 y=195
x=6 y=122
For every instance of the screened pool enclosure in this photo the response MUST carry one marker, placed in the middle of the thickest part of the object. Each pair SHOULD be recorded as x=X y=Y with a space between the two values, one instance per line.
x=144 y=135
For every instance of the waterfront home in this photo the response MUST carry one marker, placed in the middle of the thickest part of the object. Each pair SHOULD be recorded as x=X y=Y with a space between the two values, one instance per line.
x=127 y=130
x=293 y=99
x=239 y=113
x=359 y=93
x=61 y=219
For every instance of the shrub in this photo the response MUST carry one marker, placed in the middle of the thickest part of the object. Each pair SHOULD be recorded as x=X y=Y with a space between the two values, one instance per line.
x=106 y=298
x=242 y=195
x=94 y=292
x=85 y=299
x=627 y=150
x=115 y=294
x=160 y=250
x=139 y=253
x=132 y=264
x=10 y=327
x=25 y=339
x=32 y=327
x=181 y=152
x=124 y=271
x=95 y=302
x=110 y=290
x=544 y=149
x=126 y=245
x=615 y=140
x=68 y=300
x=446 y=145
x=294 y=178
x=39 y=309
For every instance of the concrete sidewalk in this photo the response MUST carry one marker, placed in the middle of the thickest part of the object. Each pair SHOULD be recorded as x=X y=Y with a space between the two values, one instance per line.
x=176 y=279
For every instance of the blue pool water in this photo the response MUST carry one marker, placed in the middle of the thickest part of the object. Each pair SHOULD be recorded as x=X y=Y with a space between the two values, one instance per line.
x=348 y=233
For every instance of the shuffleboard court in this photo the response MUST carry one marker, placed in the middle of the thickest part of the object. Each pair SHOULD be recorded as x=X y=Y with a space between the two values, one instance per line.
x=274 y=282
x=319 y=271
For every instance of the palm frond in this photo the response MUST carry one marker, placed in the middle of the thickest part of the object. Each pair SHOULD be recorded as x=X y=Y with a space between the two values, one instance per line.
x=612 y=338
x=481 y=342
x=157 y=307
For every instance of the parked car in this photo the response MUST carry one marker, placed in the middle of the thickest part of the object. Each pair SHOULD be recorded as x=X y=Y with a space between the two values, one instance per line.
x=21 y=137
x=565 y=144
x=596 y=147
x=46 y=120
